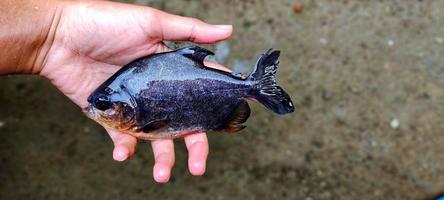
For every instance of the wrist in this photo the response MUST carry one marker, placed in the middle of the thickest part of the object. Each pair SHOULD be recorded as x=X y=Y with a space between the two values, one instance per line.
x=27 y=34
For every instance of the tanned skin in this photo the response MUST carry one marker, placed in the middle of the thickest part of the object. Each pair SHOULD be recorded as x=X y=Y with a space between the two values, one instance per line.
x=25 y=34
x=79 y=44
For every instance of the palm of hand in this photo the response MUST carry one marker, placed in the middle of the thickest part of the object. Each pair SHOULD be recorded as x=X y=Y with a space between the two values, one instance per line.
x=91 y=43
x=93 y=40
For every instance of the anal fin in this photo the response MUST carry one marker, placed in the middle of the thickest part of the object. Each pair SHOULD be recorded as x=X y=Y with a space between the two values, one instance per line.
x=239 y=116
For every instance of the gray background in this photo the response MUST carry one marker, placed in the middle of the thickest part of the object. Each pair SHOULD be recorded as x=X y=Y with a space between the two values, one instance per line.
x=352 y=69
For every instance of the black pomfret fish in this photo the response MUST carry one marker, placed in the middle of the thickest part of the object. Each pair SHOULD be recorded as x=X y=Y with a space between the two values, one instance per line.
x=172 y=94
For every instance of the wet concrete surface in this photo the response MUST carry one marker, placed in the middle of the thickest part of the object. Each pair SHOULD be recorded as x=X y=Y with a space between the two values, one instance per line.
x=367 y=78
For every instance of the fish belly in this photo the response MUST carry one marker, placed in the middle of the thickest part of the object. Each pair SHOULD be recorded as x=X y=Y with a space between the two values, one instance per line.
x=195 y=105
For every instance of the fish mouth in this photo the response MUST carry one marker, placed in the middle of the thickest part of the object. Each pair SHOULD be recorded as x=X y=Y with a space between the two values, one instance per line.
x=106 y=119
x=95 y=114
x=91 y=112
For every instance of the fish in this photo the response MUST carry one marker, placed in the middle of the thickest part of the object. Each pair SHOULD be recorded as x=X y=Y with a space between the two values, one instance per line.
x=173 y=94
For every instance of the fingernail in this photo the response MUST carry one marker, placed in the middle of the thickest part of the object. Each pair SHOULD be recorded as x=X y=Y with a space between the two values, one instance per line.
x=120 y=156
x=225 y=27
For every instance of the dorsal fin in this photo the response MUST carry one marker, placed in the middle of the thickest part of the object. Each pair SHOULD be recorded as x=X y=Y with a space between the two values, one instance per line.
x=237 y=118
x=195 y=53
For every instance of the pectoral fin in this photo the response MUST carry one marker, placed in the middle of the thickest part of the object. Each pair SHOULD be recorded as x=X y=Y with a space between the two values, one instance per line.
x=234 y=123
x=153 y=126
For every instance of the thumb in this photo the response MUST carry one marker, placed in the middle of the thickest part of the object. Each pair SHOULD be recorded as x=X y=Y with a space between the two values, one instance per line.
x=178 y=28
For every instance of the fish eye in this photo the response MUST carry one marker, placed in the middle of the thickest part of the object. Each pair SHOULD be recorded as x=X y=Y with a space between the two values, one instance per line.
x=102 y=103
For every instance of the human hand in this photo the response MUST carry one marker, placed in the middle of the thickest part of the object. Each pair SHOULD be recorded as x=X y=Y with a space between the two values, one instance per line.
x=90 y=40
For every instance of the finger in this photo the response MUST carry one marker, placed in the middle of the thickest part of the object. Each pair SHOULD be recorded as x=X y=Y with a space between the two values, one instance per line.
x=178 y=28
x=124 y=144
x=197 y=145
x=163 y=48
x=164 y=159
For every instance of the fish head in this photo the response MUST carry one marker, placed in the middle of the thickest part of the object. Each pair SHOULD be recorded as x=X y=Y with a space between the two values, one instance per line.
x=115 y=110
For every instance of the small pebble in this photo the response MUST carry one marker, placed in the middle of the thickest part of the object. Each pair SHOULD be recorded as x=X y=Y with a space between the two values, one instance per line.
x=2 y=123
x=341 y=113
x=289 y=152
x=86 y=129
x=323 y=41
x=390 y=43
x=394 y=123
x=297 y=8
x=377 y=193
x=439 y=40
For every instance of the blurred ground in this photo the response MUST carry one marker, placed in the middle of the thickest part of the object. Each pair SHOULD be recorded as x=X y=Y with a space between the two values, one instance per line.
x=367 y=78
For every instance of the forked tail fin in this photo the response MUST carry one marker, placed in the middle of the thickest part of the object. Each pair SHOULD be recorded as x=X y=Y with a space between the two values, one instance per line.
x=269 y=93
